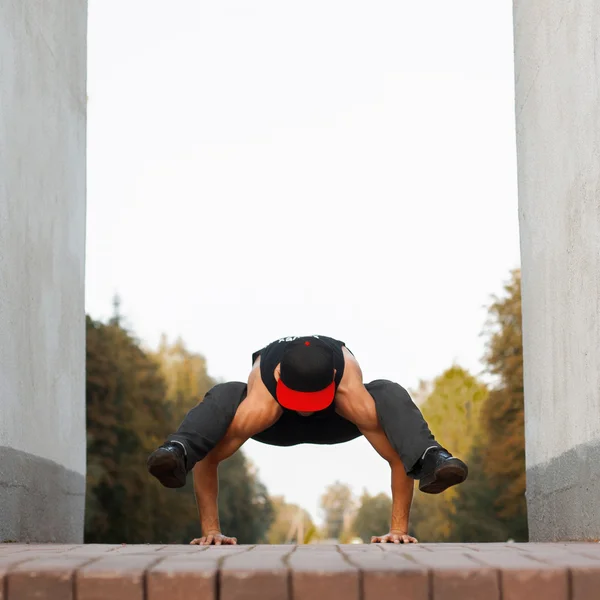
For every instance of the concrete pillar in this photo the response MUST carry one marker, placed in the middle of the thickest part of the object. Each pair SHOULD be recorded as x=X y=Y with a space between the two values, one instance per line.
x=42 y=251
x=557 y=59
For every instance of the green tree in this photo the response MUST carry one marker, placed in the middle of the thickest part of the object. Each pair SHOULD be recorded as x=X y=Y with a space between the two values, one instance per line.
x=337 y=504
x=490 y=505
x=503 y=412
x=245 y=509
x=476 y=519
x=185 y=375
x=290 y=521
x=127 y=417
x=373 y=516
x=453 y=412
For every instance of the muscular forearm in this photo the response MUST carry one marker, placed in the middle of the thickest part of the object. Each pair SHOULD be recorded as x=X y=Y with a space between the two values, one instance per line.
x=206 y=489
x=402 y=494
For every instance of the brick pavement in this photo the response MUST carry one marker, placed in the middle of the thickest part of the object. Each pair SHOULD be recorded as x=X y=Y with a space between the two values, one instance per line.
x=561 y=571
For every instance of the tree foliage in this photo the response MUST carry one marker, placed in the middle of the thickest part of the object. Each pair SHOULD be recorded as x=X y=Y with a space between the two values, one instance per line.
x=245 y=508
x=126 y=419
x=503 y=413
x=475 y=515
x=337 y=504
x=487 y=429
x=373 y=516
x=290 y=521
x=185 y=375
x=453 y=412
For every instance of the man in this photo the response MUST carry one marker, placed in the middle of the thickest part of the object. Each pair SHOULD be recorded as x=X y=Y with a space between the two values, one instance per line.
x=306 y=390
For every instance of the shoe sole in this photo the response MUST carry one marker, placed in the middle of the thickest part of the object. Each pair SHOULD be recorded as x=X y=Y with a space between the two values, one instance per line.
x=444 y=477
x=163 y=466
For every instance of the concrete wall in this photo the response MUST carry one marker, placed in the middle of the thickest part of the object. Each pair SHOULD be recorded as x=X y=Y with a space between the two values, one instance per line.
x=558 y=135
x=42 y=247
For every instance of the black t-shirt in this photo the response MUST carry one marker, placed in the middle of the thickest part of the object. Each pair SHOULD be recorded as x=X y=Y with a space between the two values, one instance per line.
x=270 y=357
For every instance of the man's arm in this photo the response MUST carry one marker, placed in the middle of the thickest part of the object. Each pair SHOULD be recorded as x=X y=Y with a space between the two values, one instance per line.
x=206 y=490
x=402 y=489
x=255 y=414
x=358 y=406
x=355 y=403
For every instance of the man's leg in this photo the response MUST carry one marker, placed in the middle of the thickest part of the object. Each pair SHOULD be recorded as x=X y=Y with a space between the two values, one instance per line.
x=200 y=431
x=408 y=433
x=402 y=421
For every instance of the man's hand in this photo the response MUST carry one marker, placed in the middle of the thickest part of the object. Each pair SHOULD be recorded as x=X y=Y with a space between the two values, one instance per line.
x=214 y=538
x=393 y=537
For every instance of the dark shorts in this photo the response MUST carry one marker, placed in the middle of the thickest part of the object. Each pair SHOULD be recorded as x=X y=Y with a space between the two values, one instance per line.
x=320 y=428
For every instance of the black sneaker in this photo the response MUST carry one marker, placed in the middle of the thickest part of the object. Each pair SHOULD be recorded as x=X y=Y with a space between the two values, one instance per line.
x=167 y=464
x=439 y=470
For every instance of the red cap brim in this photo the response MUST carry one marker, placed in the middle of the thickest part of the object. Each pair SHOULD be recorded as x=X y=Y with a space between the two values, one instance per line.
x=305 y=401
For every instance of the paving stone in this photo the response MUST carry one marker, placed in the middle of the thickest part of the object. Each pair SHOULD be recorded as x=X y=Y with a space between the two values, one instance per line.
x=584 y=572
x=487 y=547
x=317 y=548
x=560 y=571
x=115 y=577
x=589 y=550
x=390 y=576
x=189 y=574
x=6 y=564
x=10 y=551
x=523 y=577
x=455 y=576
x=138 y=548
x=184 y=577
x=438 y=546
x=256 y=575
x=375 y=549
x=323 y=573
x=181 y=549
x=566 y=549
x=402 y=548
x=46 y=578
x=92 y=550
x=223 y=551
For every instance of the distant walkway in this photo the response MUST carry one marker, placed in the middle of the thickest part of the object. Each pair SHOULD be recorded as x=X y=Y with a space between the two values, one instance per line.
x=314 y=572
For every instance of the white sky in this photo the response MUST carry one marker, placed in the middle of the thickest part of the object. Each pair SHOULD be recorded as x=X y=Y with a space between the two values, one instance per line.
x=270 y=168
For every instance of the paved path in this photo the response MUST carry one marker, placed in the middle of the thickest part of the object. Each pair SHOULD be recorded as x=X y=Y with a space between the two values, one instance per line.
x=314 y=572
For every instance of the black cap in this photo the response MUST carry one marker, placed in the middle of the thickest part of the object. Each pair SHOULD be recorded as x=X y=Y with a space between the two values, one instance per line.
x=307 y=365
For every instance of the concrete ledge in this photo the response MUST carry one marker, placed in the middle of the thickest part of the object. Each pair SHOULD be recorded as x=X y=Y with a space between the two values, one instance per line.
x=562 y=496
x=40 y=501
x=314 y=572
